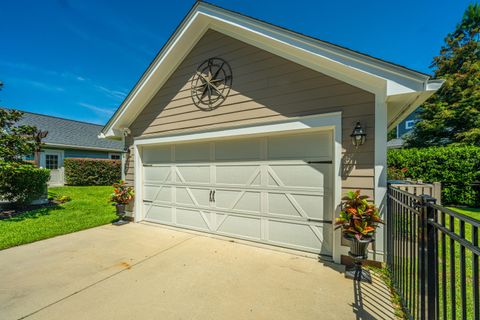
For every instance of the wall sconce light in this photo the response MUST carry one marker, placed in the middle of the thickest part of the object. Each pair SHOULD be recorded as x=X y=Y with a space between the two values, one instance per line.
x=358 y=135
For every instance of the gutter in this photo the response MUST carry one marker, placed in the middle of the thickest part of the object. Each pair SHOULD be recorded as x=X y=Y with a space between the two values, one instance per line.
x=58 y=145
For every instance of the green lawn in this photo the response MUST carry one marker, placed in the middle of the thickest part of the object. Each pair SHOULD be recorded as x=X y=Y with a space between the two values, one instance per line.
x=474 y=213
x=88 y=208
x=471 y=212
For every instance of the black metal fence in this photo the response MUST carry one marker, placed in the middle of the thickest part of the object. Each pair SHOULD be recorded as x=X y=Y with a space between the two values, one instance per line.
x=433 y=257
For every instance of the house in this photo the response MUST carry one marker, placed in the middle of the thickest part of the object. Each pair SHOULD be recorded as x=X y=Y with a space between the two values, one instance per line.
x=242 y=129
x=69 y=139
x=403 y=128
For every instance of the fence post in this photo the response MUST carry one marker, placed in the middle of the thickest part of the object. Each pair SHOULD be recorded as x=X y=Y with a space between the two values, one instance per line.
x=437 y=192
x=428 y=277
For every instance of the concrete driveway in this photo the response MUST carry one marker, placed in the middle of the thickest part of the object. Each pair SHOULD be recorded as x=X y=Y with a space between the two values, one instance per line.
x=142 y=271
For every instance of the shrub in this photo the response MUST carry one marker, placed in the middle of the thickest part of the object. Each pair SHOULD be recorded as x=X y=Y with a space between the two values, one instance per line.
x=22 y=182
x=91 y=172
x=454 y=166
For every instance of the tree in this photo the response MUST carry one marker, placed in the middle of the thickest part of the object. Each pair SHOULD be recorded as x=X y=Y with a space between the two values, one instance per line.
x=452 y=115
x=15 y=141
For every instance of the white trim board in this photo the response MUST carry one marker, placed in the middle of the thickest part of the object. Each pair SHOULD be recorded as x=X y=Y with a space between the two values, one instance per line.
x=330 y=121
x=297 y=123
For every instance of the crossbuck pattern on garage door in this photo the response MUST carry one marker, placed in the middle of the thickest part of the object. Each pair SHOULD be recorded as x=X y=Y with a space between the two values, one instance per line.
x=275 y=189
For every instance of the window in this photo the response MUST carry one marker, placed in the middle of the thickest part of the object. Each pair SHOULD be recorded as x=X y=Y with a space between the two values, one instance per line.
x=409 y=124
x=51 y=161
x=115 y=156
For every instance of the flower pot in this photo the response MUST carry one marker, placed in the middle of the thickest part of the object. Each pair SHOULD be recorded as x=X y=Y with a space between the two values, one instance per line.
x=120 y=213
x=120 y=210
x=358 y=248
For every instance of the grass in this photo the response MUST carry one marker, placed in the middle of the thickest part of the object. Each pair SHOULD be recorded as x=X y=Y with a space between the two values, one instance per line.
x=449 y=286
x=89 y=207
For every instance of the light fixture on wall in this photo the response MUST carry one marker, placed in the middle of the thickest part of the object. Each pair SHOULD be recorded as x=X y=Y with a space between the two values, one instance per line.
x=358 y=135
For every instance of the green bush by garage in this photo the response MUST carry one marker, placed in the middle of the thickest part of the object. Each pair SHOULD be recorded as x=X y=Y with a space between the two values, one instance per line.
x=91 y=172
x=22 y=182
x=456 y=167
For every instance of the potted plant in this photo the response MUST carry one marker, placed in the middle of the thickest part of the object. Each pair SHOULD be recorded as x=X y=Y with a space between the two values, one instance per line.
x=358 y=220
x=121 y=196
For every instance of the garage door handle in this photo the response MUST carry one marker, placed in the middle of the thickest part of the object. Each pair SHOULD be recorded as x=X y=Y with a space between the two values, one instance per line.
x=319 y=220
x=213 y=196
x=315 y=162
x=210 y=196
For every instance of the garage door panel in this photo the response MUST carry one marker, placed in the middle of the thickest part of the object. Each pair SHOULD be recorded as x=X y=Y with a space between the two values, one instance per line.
x=158 y=213
x=313 y=206
x=240 y=150
x=299 y=175
x=238 y=200
x=302 y=236
x=279 y=203
x=156 y=154
x=156 y=174
x=190 y=218
x=157 y=193
x=237 y=175
x=200 y=196
x=183 y=197
x=233 y=225
x=192 y=152
x=193 y=174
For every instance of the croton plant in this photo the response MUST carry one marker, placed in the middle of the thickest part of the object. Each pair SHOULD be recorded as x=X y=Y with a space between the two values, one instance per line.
x=122 y=193
x=358 y=218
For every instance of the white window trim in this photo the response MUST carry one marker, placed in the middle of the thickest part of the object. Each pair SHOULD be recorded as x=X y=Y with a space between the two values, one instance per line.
x=409 y=124
x=110 y=154
x=328 y=121
x=60 y=153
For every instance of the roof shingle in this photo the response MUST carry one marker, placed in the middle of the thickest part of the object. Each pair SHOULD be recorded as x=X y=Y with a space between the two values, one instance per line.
x=70 y=132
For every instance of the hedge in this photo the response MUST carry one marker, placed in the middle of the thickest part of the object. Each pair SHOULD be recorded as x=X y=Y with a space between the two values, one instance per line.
x=457 y=168
x=92 y=172
x=22 y=182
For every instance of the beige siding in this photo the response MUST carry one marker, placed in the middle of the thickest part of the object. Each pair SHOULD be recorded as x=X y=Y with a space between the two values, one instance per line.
x=265 y=88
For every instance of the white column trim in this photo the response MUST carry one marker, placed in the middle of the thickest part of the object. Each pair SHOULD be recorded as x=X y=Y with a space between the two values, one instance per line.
x=380 y=171
x=138 y=211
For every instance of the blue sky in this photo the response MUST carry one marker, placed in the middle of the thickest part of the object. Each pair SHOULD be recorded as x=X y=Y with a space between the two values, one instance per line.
x=79 y=59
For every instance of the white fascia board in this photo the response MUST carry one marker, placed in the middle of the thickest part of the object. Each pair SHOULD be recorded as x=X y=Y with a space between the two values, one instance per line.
x=400 y=106
x=358 y=70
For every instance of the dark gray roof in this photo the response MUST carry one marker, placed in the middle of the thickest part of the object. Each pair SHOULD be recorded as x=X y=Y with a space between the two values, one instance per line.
x=70 y=132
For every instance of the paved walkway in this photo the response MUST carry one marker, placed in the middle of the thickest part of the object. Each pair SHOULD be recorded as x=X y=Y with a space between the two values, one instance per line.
x=142 y=271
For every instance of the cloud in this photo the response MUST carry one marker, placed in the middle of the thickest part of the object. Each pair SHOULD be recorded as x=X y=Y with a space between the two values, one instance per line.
x=47 y=72
x=39 y=85
x=28 y=67
x=96 y=109
x=118 y=94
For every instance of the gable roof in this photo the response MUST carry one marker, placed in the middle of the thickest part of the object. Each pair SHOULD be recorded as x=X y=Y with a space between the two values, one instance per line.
x=70 y=133
x=403 y=89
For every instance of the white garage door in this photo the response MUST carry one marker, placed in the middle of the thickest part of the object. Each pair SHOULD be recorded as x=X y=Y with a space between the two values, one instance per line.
x=275 y=189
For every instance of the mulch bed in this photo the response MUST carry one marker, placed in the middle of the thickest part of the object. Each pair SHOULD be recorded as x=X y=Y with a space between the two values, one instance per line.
x=7 y=211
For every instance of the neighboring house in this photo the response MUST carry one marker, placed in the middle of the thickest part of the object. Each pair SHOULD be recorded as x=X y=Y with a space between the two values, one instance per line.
x=242 y=129
x=403 y=128
x=69 y=139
